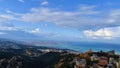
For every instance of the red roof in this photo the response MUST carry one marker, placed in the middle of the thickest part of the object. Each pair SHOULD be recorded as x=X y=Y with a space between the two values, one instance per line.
x=102 y=63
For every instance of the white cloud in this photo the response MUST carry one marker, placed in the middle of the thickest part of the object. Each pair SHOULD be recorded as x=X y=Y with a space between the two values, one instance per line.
x=87 y=19
x=36 y=31
x=5 y=18
x=22 y=1
x=114 y=16
x=8 y=17
x=8 y=28
x=79 y=19
x=2 y=33
x=87 y=7
x=44 y=3
x=8 y=11
x=103 y=33
x=46 y=25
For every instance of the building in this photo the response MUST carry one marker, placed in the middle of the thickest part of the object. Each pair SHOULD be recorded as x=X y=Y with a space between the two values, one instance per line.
x=118 y=64
x=111 y=52
x=94 y=57
x=80 y=63
x=102 y=62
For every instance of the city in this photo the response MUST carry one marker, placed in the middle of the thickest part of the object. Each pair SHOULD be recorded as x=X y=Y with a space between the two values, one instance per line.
x=17 y=55
x=59 y=33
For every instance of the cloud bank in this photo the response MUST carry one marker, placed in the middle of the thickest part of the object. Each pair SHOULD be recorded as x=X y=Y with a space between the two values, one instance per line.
x=93 y=23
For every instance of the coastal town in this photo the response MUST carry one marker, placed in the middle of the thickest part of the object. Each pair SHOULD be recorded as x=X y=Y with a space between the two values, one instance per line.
x=17 y=55
x=89 y=59
x=97 y=60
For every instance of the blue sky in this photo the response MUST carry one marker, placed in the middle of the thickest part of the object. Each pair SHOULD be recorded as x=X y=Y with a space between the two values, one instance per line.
x=62 y=20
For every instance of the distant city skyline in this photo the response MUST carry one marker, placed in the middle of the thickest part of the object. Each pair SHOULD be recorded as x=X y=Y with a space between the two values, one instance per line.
x=61 y=20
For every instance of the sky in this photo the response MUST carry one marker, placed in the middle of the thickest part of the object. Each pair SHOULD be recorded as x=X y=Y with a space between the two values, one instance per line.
x=61 y=20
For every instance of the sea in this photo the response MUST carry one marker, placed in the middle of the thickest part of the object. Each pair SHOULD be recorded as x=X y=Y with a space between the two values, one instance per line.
x=84 y=46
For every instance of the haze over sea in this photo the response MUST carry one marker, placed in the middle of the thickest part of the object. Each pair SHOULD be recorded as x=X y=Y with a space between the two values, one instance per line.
x=83 y=46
